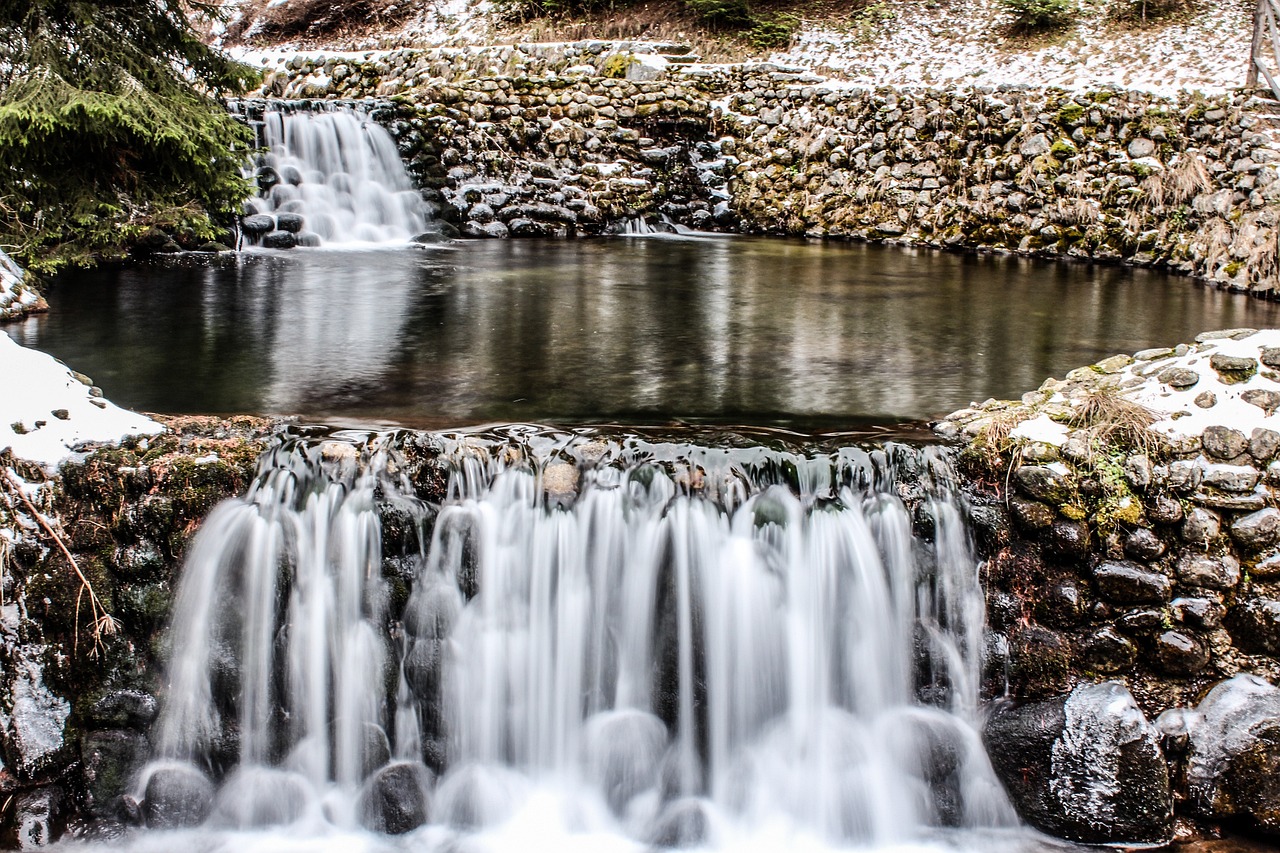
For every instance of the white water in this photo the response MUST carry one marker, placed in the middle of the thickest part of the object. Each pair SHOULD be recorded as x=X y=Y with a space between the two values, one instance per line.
x=341 y=172
x=607 y=646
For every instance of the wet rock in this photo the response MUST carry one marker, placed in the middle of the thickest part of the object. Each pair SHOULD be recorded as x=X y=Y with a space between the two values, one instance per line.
x=1141 y=622
x=1031 y=515
x=683 y=823
x=1109 y=651
x=1179 y=654
x=1257 y=531
x=484 y=230
x=1163 y=509
x=433 y=608
x=1087 y=767
x=291 y=222
x=1233 y=770
x=622 y=754
x=112 y=761
x=1211 y=572
x=1043 y=483
x=38 y=816
x=396 y=799
x=560 y=482
x=1267 y=569
x=1068 y=539
x=1143 y=544
x=1039 y=661
x=1127 y=582
x=1255 y=626
x=279 y=240
x=1201 y=526
x=1202 y=614
x=423 y=668
x=124 y=709
x=177 y=796
x=259 y=797
x=257 y=224
x=308 y=239
x=476 y=796
x=1062 y=606
x=1222 y=442
x=32 y=733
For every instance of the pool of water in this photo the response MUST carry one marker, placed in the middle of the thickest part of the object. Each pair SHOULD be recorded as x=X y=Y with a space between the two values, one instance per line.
x=803 y=334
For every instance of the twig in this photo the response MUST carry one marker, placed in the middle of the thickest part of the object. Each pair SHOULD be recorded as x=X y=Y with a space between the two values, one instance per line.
x=103 y=622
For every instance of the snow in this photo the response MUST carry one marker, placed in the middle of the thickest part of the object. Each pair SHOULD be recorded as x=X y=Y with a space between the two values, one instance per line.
x=1041 y=429
x=15 y=297
x=33 y=387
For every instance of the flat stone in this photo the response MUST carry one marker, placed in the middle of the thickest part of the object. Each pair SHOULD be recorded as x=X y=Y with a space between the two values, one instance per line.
x=1042 y=483
x=1231 y=478
x=258 y=223
x=1264 y=444
x=1233 y=368
x=1185 y=475
x=1271 y=356
x=1202 y=570
x=1223 y=442
x=1257 y=531
x=1114 y=364
x=1178 y=377
x=1232 y=502
x=1127 y=582
x=1226 y=335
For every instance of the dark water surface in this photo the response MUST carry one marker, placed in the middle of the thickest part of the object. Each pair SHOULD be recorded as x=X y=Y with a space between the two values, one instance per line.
x=809 y=335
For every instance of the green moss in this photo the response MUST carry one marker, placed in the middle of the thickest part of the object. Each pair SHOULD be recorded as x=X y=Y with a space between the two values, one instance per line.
x=1070 y=114
x=1063 y=149
x=616 y=66
x=1233 y=268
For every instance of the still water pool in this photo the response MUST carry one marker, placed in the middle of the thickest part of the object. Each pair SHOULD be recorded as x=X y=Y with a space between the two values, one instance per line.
x=807 y=335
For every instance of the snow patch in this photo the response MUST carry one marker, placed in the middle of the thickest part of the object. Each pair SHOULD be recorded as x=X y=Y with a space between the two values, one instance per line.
x=1041 y=429
x=46 y=412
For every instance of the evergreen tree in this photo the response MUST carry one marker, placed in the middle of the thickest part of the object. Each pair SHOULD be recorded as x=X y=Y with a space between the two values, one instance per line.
x=110 y=123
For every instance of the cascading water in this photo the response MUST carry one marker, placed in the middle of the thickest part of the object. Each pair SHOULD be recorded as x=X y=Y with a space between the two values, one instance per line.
x=594 y=643
x=332 y=176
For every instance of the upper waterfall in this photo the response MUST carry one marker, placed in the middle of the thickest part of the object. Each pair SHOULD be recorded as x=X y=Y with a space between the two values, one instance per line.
x=623 y=642
x=331 y=176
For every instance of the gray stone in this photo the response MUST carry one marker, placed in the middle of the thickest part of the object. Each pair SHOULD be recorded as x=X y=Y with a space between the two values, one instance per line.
x=1233 y=767
x=1257 y=531
x=1178 y=377
x=32 y=726
x=1263 y=444
x=1137 y=470
x=257 y=224
x=1180 y=654
x=395 y=801
x=1266 y=400
x=1233 y=502
x=1266 y=569
x=1271 y=356
x=1222 y=442
x=124 y=709
x=1255 y=626
x=177 y=796
x=483 y=230
x=1206 y=399
x=1184 y=475
x=1233 y=368
x=1231 y=478
x=1042 y=483
x=1127 y=582
x=1141 y=148
x=279 y=240
x=291 y=222
x=1163 y=509
x=1034 y=146
x=1201 y=570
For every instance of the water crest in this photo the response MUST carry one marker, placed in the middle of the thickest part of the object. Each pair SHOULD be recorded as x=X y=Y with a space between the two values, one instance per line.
x=607 y=642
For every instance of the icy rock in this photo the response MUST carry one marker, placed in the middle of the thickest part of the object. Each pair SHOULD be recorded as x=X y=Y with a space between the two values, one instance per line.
x=37 y=814
x=396 y=799
x=1234 y=765
x=32 y=727
x=1087 y=767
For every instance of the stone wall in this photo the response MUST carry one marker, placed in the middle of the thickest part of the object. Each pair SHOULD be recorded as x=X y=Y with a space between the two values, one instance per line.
x=1186 y=183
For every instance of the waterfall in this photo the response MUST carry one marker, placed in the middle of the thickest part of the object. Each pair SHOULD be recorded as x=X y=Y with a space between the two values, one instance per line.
x=331 y=176
x=627 y=642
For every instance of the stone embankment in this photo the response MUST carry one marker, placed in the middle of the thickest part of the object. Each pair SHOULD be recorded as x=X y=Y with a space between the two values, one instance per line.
x=1129 y=517
x=1186 y=183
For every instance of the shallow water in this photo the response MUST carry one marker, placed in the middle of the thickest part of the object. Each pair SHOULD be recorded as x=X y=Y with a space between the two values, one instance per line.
x=805 y=334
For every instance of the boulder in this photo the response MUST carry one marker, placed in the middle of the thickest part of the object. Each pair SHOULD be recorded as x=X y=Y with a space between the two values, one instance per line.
x=1233 y=769
x=1257 y=531
x=1126 y=582
x=291 y=222
x=177 y=795
x=396 y=798
x=1202 y=570
x=1222 y=442
x=622 y=754
x=1255 y=626
x=279 y=239
x=1179 y=654
x=1086 y=767
x=112 y=760
x=1043 y=483
x=257 y=224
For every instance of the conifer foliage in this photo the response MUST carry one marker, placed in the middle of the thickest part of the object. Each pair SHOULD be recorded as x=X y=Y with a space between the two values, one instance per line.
x=110 y=123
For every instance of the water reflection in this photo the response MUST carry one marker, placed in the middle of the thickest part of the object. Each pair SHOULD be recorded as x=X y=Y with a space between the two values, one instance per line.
x=741 y=329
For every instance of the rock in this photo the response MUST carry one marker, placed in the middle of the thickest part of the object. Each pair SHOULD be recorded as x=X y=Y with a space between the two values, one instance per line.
x=1034 y=146
x=1069 y=539
x=1141 y=147
x=308 y=239
x=433 y=608
x=291 y=222
x=1108 y=651
x=681 y=824
x=1163 y=509
x=1039 y=661
x=1138 y=471
x=1043 y=483
x=1126 y=582
x=1143 y=544
x=112 y=761
x=1202 y=614
x=1201 y=570
x=1179 y=654
x=1233 y=368
x=622 y=754
x=259 y=797
x=484 y=230
x=423 y=668
x=1141 y=622
x=1206 y=399
x=279 y=240
x=1255 y=626
x=395 y=800
x=1231 y=478
x=177 y=796
x=1031 y=515
x=1222 y=442
x=1179 y=377
x=1200 y=527
x=1257 y=531
x=1062 y=606
x=124 y=709
x=1185 y=475
x=37 y=814
x=33 y=723
x=560 y=482
x=1271 y=356
x=1233 y=769
x=257 y=224
x=1087 y=767
x=1266 y=400
x=1264 y=444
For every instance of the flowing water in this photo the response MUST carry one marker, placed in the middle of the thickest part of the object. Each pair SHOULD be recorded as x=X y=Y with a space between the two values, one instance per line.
x=582 y=641
x=340 y=172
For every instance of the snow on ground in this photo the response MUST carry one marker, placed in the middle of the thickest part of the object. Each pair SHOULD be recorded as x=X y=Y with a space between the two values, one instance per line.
x=963 y=44
x=15 y=298
x=46 y=411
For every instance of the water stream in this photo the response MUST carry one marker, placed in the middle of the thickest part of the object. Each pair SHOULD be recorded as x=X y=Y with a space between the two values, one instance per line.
x=590 y=642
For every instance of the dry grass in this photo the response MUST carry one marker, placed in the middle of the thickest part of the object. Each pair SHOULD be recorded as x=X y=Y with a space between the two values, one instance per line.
x=1112 y=419
x=1186 y=179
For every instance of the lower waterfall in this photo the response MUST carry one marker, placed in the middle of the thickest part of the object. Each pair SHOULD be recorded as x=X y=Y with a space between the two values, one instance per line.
x=590 y=641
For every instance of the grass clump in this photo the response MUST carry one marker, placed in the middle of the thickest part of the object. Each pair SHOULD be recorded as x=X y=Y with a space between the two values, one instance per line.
x=1115 y=422
x=1033 y=16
